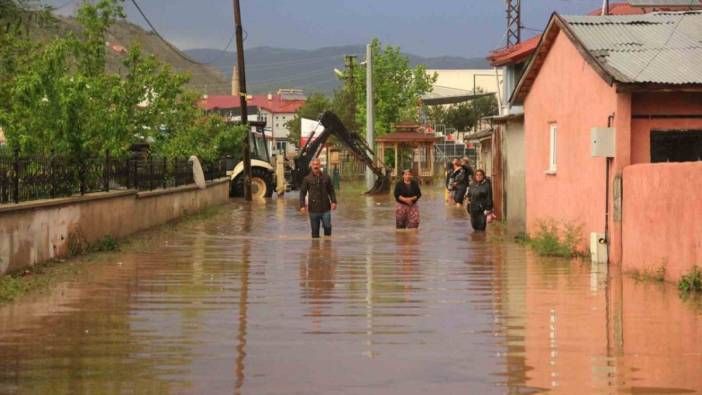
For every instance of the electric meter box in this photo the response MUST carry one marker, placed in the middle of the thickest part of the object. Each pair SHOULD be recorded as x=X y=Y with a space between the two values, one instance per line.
x=602 y=140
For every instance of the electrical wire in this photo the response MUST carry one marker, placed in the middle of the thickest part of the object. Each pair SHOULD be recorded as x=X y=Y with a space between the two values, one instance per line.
x=292 y=62
x=222 y=53
x=171 y=46
x=670 y=37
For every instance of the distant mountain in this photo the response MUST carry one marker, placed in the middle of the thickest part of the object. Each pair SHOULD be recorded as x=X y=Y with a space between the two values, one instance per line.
x=268 y=69
x=204 y=78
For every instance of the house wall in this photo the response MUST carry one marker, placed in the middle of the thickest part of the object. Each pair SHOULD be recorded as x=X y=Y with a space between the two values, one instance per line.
x=37 y=231
x=569 y=92
x=662 y=218
x=645 y=104
x=513 y=170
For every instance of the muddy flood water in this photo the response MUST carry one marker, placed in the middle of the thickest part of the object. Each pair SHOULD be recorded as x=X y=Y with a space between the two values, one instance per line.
x=246 y=302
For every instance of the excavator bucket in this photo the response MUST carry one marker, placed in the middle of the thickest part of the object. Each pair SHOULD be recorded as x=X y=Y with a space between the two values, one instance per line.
x=380 y=187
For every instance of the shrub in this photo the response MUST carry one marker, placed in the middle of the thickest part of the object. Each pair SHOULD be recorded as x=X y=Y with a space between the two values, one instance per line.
x=107 y=243
x=647 y=275
x=691 y=282
x=554 y=239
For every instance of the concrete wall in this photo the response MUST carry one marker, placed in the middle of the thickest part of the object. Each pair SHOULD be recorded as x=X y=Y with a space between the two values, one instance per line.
x=513 y=164
x=568 y=92
x=662 y=217
x=36 y=231
x=657 y=104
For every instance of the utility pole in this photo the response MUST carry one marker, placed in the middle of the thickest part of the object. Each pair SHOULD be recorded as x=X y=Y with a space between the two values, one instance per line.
x=369 y=109
x=350 y=63
x=242 y=99
x=605 y=7
x=514 y=22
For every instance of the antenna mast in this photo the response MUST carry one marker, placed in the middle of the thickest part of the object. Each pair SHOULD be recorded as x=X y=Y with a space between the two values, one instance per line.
x=514 y=22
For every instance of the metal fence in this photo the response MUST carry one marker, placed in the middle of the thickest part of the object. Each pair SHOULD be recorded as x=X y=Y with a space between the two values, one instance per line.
x=32 y=177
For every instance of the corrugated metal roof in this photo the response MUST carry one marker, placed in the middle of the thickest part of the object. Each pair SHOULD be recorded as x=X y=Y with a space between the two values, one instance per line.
x=662 y=47
x=448 y=95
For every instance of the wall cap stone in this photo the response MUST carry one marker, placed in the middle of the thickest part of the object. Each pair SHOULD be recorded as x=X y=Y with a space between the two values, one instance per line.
x=182 y=188
x=77 y=199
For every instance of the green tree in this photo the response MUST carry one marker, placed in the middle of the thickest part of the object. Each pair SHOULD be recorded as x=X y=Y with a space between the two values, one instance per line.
x=397 y=88
x=343 y=105
x=314 y=106
x=58 y=97
x=465 y=116
x=16 y=15
x=437 y=114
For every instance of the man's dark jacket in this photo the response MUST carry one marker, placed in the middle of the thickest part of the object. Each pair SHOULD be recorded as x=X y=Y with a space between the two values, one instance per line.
x=321 y=193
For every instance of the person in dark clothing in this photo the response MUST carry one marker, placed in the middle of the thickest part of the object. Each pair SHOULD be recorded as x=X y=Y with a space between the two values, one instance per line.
x=469 y=170
x=407 y=193
x=321 y=199
x=459 y=182
x=449 y=172
x=479 y=201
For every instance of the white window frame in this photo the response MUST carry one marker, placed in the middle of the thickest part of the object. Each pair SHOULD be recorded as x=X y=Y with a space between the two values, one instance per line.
x=553 y=148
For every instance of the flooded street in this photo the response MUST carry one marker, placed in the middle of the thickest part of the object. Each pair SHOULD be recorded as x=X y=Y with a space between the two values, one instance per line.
x=246 y=302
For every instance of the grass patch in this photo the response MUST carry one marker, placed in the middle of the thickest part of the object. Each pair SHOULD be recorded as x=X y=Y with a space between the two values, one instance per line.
x=657 y=275
x=497 y=231
x=691 y=282
x=521 y=238
x=555 y=240
x=38 y=277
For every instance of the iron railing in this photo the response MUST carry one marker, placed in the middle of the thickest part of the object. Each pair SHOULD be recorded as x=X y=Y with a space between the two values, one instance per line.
x=32 y=177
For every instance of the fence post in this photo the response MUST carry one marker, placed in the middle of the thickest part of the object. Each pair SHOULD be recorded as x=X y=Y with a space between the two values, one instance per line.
x=164 y=173
x=52 y=174
x=129 y=173
x=151 y=173
x=176 y=173
x=136 y=174
x=15 y=182
x=81 y=174
x=106 y=172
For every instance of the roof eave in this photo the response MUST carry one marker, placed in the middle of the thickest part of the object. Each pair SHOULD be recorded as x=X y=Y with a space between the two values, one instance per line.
x=555 y=24
x=656 y=87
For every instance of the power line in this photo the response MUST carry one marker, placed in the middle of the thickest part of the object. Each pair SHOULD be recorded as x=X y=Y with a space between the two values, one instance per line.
x=293 y=62
x=223 y=52
x=670 y=37
x=176 y=50
x=298 y=77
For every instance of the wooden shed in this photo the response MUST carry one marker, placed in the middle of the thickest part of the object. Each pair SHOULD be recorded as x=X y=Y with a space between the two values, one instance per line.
x=412 y=147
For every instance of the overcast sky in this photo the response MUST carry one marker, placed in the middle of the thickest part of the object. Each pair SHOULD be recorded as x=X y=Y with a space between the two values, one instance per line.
x=468 y=28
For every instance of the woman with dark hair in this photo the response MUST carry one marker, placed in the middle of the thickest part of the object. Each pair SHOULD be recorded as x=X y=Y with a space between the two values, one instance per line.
x=407 y=193
x=479 y=201
x=459 y=182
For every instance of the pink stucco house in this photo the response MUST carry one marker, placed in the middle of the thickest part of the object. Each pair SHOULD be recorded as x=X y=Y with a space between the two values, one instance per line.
x=641 y=75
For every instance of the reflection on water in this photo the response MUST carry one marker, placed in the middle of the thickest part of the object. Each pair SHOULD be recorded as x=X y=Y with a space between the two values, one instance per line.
x=247 y=303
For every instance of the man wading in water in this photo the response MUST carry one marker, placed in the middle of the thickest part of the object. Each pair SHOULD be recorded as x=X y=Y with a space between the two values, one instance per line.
x=321 y=199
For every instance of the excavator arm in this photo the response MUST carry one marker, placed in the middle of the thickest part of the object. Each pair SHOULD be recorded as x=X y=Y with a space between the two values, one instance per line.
x=356 y=145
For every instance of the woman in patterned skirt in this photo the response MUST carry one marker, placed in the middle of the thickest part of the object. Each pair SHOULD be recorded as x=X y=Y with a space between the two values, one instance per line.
x=407 y=193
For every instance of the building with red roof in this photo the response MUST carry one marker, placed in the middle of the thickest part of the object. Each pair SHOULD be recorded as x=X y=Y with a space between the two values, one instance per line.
x=276 y=109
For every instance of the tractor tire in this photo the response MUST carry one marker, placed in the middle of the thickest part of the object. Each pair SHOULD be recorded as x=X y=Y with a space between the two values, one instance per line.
x=262 y=185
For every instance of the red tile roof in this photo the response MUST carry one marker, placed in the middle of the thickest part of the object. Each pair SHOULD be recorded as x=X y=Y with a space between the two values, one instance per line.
x=400 y=137
x=524 y=49
x=275 y=105
x=515 y=53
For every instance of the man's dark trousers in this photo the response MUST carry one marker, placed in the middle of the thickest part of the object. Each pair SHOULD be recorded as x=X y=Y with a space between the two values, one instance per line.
x=325 y=219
